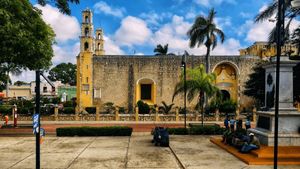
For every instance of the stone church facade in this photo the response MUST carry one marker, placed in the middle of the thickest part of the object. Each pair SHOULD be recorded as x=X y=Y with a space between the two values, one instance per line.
x=126 y=79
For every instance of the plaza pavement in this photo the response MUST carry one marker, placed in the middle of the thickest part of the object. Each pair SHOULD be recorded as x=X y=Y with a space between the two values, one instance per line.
x=135 y=152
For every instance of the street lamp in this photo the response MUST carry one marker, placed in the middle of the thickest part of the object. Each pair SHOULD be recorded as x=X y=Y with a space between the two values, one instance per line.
x=183 y=65
x=279 y=42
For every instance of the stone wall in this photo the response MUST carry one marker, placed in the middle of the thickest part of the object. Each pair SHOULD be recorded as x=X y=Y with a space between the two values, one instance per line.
x=115 y=77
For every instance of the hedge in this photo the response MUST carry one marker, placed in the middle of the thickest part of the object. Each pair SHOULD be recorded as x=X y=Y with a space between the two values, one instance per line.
x=198 y=130
x=91 y=110
x=178 y=131
x=69 y=110
x=207 y=130
x=94 y=131
x=5 y=110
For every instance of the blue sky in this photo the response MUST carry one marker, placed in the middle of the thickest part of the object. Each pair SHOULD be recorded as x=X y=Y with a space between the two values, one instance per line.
x=137 y=26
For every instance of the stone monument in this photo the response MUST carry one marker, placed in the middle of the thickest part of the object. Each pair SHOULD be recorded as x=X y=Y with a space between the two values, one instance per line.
x=289 y=117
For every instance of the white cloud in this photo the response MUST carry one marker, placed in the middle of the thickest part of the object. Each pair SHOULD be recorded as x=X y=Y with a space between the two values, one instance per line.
x=133 y=31
x=174 y=34
x=65 y=53
x=245 y=15
x=26 y=76
x=223 y=22
x=65 y=27
x=208 y=3
x=153 y=18
x=111 y=48
x=103 y=7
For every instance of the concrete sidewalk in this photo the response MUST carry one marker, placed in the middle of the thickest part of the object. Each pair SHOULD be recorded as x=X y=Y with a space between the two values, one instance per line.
x=137 y=151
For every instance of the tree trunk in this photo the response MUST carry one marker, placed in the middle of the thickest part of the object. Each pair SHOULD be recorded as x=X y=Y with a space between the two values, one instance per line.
x=7 y=84
x=201 y=97
x=207 y=59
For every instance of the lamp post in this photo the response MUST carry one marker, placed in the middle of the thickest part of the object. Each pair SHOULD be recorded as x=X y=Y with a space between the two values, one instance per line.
x=279 y=43
x=37 y=111
x=183 y=65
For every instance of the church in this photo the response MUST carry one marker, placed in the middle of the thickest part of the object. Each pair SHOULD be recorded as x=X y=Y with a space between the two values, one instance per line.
x=126 y=79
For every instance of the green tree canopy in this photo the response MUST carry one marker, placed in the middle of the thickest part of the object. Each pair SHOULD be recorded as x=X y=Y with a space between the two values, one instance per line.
x=64 y=72
x=62 y=5
x=26 y=40
x=255 y=85
x=204 y=31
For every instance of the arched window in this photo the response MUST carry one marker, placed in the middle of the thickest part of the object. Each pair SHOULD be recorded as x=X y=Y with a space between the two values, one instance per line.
x=86 y=46
x=99 y=36
x=86 y=19
x=99 y=46
x=86 y=31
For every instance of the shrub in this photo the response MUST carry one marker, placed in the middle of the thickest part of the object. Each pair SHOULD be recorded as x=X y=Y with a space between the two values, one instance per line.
x=91 y=110
x=109 y=108
x=94 y=131
x=68 y=103
x=178 y=131
x=228 y=107
x=6 y=110
x=207 y=130
x=143 y=107
x=69 y=110
x=122 y=110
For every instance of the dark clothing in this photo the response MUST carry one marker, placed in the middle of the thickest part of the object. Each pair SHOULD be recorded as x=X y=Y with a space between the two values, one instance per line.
x=226 y=123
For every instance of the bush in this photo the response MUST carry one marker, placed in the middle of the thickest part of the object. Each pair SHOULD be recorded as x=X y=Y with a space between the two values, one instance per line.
x=69 y=110
x=91 y=110
x=228 y=107
x=207 y=130
x=109 y=108
x=94 y=131
x=178 y=131
x=6 y=110
x=122 y=110
x=143 y=107
x=68 y=103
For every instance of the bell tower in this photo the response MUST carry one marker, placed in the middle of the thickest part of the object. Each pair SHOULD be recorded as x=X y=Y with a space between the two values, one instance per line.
x=84 y=62
x=99 y=43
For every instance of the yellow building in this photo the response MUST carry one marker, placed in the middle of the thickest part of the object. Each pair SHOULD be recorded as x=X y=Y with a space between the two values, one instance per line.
x=265 y=50
x=126 y=79
x=89 y=46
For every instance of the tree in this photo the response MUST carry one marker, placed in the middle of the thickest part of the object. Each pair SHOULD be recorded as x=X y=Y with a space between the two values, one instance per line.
x=62 y=5
x=162 y=50
x=64 y=72
x=295 y=39
x=165 y=108
x=255 y=85
x=204 y=31
x=20 y=83
x=26 y=40
x=271 y=11
x=198 y=83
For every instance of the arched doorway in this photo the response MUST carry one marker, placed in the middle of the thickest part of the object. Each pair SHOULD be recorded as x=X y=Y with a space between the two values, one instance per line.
x=225 y=95
x=227 y=79
x=296 y=82
x=146 y=91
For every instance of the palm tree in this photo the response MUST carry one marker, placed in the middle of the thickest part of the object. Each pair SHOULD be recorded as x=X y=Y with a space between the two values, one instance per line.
x=271 y=11
x=204 y=31
x=165 y=108
x=162 y=50
x=198 y=83
x=9 y=68
x=295 y=39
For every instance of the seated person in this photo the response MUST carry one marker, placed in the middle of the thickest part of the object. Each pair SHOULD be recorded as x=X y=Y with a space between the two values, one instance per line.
x=253 y=144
